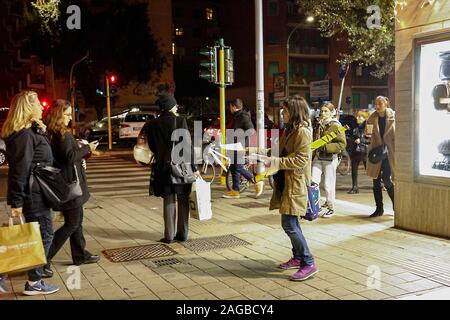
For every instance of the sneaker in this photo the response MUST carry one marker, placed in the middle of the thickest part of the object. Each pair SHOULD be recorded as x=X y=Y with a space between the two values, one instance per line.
x=328 y=213
x=259 y=188
x=232 y=195
x=291 y=264
x=3 y=285
x=39 y=288
x=48 y=272
x=304 y=273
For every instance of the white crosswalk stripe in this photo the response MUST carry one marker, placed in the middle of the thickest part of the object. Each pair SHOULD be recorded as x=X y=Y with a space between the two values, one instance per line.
x=114 y=177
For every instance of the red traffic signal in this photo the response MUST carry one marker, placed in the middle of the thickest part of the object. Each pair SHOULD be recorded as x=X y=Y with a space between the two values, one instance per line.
x=113 y=78
x=45 y=103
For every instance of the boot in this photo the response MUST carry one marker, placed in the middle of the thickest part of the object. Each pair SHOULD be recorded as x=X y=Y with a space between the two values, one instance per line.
x=378 y=195
x=390 y=192
x=353 y=190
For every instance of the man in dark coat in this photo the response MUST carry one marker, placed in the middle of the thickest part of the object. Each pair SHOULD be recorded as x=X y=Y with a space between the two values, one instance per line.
x=160 y=143
x=241 y=121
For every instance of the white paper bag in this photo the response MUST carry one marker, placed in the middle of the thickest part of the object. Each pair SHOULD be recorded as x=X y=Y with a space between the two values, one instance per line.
x=200 y=200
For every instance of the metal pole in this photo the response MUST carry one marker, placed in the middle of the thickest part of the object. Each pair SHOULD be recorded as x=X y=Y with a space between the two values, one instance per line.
x=108 y=110
x=222 y=101
x=259 y=81
x=72 y=93
x=287 y=59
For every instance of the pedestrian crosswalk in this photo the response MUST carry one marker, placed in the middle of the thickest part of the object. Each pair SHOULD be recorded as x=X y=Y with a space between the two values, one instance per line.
x=116 y=177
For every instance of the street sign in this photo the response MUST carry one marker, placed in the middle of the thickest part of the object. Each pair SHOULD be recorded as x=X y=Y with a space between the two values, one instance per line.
x=279 y=87
x=320 y=91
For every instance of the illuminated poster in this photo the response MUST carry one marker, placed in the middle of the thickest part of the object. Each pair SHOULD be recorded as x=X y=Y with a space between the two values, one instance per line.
x=433 y=98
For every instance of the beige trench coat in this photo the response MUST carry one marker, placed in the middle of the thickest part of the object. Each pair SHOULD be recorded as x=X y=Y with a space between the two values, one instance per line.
x=373 y=169
x=297 y=166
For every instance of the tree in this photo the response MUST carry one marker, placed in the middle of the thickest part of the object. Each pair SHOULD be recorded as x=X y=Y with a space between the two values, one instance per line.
x=116 y=34
x=366 y=46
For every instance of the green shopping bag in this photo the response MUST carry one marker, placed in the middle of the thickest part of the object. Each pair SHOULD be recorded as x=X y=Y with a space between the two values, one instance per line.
x=21 y=247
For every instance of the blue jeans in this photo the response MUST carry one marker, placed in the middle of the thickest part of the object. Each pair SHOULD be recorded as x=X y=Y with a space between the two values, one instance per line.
x=236 y=171
x=46 y=227
x=300 y=248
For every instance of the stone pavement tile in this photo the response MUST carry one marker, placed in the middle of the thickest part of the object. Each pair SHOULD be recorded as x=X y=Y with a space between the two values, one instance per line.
x=409 y=277
x=24 y=297
x=226 y=293
x=204 y=296
x=318 y=295
x=296 y=297
x=355 y=288
x=267 y=285
x=184 y=268
x=215 y=286
x=393 y=270
x=202 y=263
x=391 y=280
x=158 y=285
x=281 y=293
x=419 y=285
x=373 y=294
x=338 y=292
x=321 y=284
x=300 y=287
x=326 y=275
x=353 y=297
x=193 y=291
x=235 y=282
x=171 y=295
x=149 y=296
x=112 y=294
x=201 y=277
x=137 y=292
x=392 y=291
x=239 y=297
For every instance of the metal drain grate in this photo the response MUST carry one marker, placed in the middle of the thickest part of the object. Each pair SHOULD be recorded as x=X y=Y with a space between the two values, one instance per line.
x=162 y=262
x=213 y=243
x=138 y=252
x=250 y=205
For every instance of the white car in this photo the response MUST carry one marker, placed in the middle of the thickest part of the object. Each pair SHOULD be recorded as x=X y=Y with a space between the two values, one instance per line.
x=133 y=123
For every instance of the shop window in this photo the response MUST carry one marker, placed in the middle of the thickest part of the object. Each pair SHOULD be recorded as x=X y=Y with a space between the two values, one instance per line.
x=320 y=70
x=209 y=14
x=273 y=8
x=273 y=68
x=179 y=31
x=356 y=99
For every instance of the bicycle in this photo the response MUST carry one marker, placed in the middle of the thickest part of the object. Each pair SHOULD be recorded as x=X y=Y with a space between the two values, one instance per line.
x=344 y=163
x=244 y=182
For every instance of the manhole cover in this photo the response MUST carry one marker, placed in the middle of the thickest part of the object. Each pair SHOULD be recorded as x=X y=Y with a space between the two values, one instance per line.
x=162 y=262
x=212 y=243
x=138 y=252
x=250 y=205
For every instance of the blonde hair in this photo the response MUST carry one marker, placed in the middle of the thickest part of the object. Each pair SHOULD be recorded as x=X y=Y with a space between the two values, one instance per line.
x=363 y=114
x=54 y=118
x=21 y=114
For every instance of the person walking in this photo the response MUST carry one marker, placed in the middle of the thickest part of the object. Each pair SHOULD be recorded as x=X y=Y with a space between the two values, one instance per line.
x=27 y=145
x=325 y=159
x=359 y=149
x=290 y=195
x=241 y=121
x=160 y=143
x=69 y=156
x=380 y=128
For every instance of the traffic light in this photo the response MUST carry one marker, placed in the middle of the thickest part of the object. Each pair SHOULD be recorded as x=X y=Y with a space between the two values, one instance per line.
x=113 y=81
x=44 y=103
x=100 y=92
x=229 y=65
x=208 y=68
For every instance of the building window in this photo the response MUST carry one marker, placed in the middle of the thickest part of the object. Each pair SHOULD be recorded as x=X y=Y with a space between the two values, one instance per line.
x=179 y=31
x=273 y=68
x=273 y=38
x=173 y=48
x=273 y=8
x=209 y=14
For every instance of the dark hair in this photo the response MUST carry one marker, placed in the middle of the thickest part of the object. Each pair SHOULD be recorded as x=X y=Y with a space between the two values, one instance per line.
x=298 y=110
x=237 y=103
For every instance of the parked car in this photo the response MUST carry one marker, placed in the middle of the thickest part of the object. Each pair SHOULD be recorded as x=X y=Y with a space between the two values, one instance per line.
x=100 y=129
x=141 y=151
x=2 y=152
x=133 y=123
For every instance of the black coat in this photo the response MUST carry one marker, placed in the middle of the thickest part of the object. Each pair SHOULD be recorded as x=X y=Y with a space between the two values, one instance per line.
x=160 y=143
x=241 y=120
x=24 y=149
x=67 y=153
x=358 y=133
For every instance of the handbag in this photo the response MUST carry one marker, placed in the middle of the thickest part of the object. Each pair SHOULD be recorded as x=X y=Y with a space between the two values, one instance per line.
x=54 y=188
x=378 y=153
x=361 y=148
x=180 y=173
x=21 y=247
x=324 y=156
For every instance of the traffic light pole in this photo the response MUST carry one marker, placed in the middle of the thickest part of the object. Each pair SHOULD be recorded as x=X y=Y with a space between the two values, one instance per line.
x=222 y=101
x=108 y=110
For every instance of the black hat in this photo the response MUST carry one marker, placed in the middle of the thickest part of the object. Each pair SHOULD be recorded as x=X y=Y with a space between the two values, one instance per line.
x=166 y=102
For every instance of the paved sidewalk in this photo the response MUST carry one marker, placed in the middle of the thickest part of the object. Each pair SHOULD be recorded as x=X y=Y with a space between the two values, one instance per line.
x=348 y=248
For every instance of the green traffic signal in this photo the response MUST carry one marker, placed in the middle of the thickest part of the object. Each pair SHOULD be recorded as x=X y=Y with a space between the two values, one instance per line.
x=208 y=68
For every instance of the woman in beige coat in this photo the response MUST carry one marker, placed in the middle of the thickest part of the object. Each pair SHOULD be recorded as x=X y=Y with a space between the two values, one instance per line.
x=380 y=127
x=290 y=194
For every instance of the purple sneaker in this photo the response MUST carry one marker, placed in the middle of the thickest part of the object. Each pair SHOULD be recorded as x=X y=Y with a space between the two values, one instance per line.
x=304 y=273
x=291 y=264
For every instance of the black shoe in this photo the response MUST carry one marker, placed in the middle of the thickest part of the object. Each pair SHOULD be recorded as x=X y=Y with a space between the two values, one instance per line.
x=47 y=272
x=91 y=259
x=180 y=239
x=353 y=191
x=378 y=213
x=164 y=240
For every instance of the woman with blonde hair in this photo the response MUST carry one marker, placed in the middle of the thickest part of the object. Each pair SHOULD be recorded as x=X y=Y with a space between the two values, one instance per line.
x=359 y=148
x=290 y=195
x=27 y=145
x=69 y=157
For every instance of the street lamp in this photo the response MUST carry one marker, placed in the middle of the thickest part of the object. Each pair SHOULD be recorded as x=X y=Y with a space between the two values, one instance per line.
x=72 y=91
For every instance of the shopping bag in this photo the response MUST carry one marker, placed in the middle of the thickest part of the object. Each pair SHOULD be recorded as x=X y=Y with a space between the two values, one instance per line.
x=313 y=209
x=200 y=200
x=21 y=247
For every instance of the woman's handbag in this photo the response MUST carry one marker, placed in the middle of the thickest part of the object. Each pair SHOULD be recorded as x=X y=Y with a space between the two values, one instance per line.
x=181 y=173
x=378 y=153
x=361 y=148
x=54 y=188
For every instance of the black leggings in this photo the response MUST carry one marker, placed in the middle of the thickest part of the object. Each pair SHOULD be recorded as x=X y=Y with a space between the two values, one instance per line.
x=356 y=160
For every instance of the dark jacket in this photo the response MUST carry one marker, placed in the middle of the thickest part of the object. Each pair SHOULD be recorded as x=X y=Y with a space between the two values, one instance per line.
x=243 y=121
x=23 y=150
x=67 y=153
x=336 y=145
x=358 y=133
x=160 y=144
